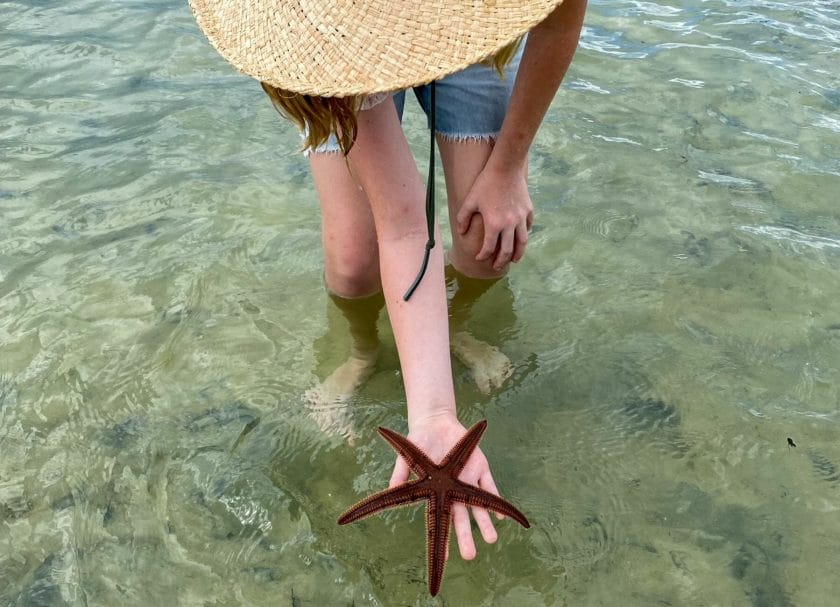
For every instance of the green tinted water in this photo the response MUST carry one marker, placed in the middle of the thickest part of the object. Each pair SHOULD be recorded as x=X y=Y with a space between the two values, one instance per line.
x=676 y=319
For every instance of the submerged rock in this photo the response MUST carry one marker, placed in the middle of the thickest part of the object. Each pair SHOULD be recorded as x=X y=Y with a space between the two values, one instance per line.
x=120 y=434
x=42 y=590
x=650 y=414
x=235 y=413
x=824 y=467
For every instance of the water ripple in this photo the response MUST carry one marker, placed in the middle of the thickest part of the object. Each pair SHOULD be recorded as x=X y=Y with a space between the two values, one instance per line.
x=160 y=297
x=795 y=237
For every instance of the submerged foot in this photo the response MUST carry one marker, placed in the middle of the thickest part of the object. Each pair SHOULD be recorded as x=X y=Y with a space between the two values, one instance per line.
x=327 y=402
x=487 y=364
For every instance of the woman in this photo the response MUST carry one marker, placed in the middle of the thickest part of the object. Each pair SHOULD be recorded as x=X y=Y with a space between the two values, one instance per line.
x=375 y=228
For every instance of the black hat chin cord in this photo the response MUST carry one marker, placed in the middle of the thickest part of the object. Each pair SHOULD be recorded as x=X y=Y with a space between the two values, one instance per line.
x=430 y=203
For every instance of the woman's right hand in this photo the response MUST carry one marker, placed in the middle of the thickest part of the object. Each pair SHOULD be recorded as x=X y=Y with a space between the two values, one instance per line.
x=436 y=435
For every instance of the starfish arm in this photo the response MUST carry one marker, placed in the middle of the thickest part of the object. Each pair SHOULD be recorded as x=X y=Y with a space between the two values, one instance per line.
x=418 y=461
x=475 y=496
x=400 y=495
x=458 y=455
x=438 y=517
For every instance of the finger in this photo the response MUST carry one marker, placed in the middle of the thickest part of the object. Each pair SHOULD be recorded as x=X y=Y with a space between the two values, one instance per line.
x=400 y=473
x=505 y=250
x=485 y=525
x=487 y=483
x=464 y=218
x=520 y=242
x=461 y=522
x=488 y=246
x=529 y=220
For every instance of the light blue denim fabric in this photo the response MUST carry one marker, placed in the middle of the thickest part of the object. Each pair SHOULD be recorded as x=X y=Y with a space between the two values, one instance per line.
x=471 y=104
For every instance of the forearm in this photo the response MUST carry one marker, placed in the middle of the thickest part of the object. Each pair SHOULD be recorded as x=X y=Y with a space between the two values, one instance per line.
x=545 y=60
x=420 y=325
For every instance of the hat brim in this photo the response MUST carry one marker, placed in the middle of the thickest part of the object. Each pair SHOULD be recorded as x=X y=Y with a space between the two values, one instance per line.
x=343 y=47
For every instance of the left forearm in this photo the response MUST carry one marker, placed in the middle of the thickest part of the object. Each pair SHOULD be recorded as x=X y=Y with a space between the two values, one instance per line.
x=547 y=55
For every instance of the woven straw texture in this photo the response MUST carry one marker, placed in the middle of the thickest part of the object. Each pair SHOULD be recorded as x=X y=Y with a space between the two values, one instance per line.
x=350 y=47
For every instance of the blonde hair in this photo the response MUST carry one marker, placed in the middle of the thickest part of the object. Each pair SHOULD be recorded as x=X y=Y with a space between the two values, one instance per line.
x=319 y=117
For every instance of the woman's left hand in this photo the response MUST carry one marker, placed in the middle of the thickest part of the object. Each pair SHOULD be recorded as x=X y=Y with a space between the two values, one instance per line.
x=501 y=198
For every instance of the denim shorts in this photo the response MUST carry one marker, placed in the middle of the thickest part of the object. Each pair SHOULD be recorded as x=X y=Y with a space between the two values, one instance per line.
x=470 y=104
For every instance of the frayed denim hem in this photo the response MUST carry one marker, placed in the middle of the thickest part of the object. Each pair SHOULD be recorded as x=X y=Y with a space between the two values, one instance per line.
x=307 y=152
x=469 y=137
x=329 y=148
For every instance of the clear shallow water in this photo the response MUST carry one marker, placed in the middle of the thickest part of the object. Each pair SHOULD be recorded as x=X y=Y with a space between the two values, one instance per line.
x=675 y=320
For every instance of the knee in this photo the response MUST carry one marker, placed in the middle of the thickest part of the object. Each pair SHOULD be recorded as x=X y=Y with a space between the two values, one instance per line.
x=466 y=246
x=353 y=275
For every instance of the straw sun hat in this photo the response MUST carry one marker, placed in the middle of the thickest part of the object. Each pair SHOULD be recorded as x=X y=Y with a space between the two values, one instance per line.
x=350 y=47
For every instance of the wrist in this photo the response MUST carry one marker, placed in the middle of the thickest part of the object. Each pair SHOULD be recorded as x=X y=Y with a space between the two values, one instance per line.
x=507 y=163
x=444 y=414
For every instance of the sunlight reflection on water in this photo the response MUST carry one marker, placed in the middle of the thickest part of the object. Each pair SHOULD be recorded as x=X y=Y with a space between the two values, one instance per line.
x=676 y=318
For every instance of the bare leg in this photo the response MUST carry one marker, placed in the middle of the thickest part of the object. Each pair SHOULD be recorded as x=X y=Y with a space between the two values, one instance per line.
x=351 y=253
x=352 y=277
x=487 y=364
x=360 y=315
x=462 y=162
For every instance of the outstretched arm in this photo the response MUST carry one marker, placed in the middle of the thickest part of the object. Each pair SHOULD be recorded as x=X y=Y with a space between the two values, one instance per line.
x=500 y=193
x=382 y=164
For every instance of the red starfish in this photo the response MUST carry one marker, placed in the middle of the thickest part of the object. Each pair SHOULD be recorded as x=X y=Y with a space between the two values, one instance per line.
x=438 y=484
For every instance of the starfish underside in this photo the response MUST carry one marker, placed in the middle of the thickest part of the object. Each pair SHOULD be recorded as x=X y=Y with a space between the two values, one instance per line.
x=439 y=486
